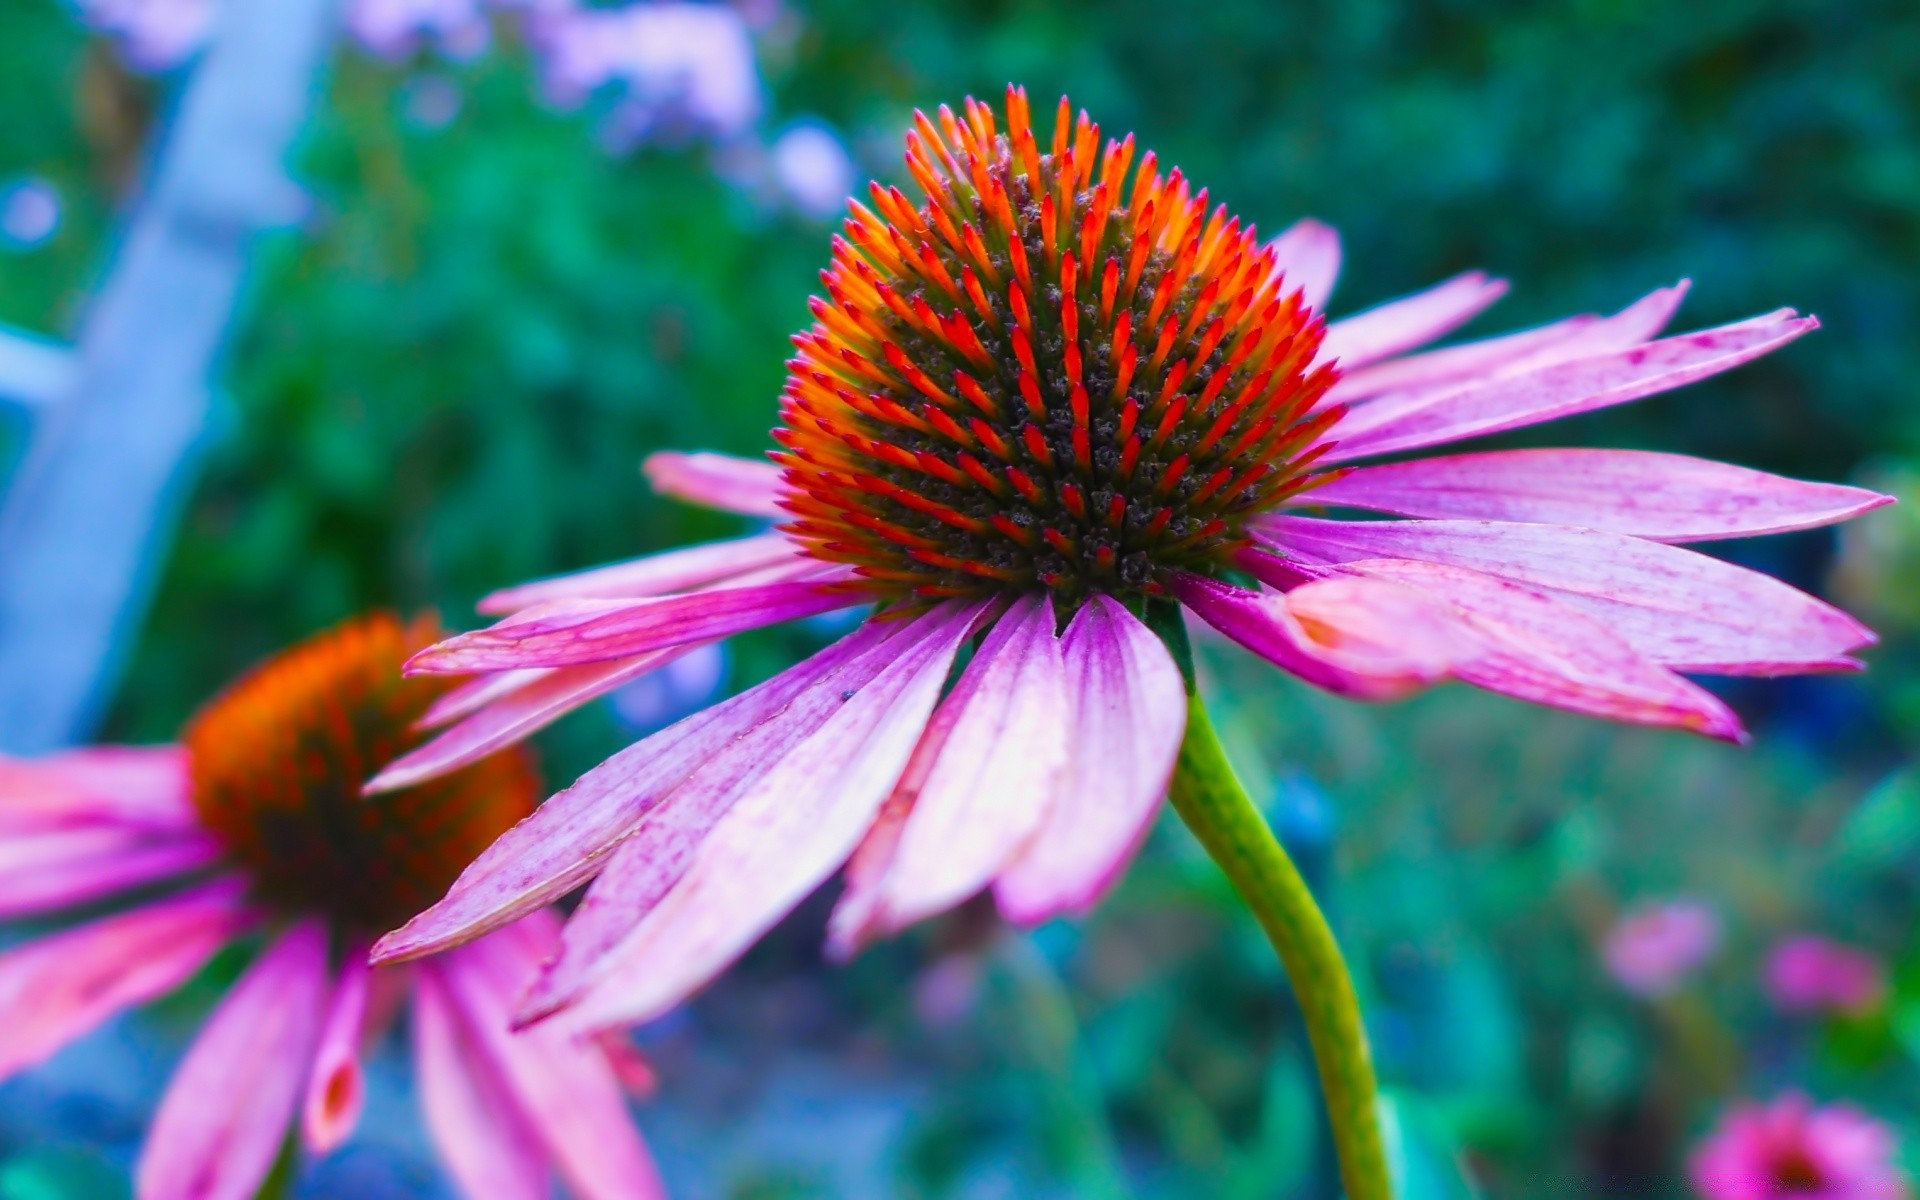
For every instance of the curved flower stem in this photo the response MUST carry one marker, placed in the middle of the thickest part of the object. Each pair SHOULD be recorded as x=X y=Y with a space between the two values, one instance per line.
x=1211 y=800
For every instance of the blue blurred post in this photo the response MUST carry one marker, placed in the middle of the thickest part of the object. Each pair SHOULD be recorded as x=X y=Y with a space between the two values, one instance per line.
x=89 y=513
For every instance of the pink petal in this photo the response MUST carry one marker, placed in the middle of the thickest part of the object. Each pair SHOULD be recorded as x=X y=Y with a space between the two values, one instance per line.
x=1410 y=420
x=486 y=1142
x=336 y=1091
x=512 y=718
x=1307 y=254
x=1410 y=321
x=1002 y=737
x=1514 y=353
x=225 y=1113
x=1129 y=713
x=148 y=786
x=470 y=697
x=567 y=840
x=1679 y=608
x=1547 y=652
x=1663 y=497
x=742 y=485
x=654 y=575
x=665 y=841
x=567 y=632
x=45 y=870
x=781 y=839
x=563 y=1086
x=1356 y=637
x=56 y=988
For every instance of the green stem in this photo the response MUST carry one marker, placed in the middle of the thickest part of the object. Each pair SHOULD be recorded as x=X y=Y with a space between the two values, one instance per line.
x=1211 y=800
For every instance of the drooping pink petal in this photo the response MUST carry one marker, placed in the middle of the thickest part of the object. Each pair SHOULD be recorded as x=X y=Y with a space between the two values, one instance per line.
x=654 y=575
x=225 y=1113
x=1003 y=751
x=1541 y=650
x=1663 y=497
x=58 y=987
x=336 y=1091
x=569 y=632
x=1411 y=420
x=742 y=485
x=1128 y=711
x=782 y=839
x=515 y=716
x=1677 y=607
x=562 y=1085
x=1356 y=637
x=146 y=786
x=45 y=870
x=465 y=699
x=1307 y=254
x=1513 y=353
x=486 y=1142
x=665 y=841
x=1410 y=321
x=567 y=840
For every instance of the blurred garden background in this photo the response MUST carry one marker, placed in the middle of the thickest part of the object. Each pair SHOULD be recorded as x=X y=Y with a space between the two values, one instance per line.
x=532 y=243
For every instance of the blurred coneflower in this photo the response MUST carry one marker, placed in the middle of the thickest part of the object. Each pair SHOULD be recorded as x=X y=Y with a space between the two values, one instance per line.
x=253 y=830
x=1793 y=1149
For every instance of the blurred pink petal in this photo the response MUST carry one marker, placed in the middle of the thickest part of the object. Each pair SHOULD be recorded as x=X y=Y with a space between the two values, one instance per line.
x=1307 y=255
x=1808 y=973
x=56 y=988
x=1127 y=717
x=1410 y=321
x=1680 y=608
x=486 y=1142
x=138 y=786
x=655 y=575
x=1652 y=951
x=1662 y=497
x=1793 y=1150
x=1413 y=420
x=336 y=1091
x=748 y=486
x=59 y=868
x=226 y=1111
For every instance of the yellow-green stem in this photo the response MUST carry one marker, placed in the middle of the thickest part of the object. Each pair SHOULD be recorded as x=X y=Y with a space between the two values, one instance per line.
x=1209 y=797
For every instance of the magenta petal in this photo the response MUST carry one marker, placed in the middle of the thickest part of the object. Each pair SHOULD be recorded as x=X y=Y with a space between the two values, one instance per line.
x=225 y=1113
x=1129 y=713
x=487 y=1144
x=741 y=485
x=145 y=786
x=1003 y=737
x=783 y=838
x=568 y=632
x=465 y=699
x=1677 y=607
x=1410 y=321
x=1357 y=637
x=1407 y=421
x=1663 y=497
x=513 y=717
x=336 y=1092
x=563 y=1086
x=45 y=870
x=1307 y=255
x=655 y=575
x=55 y=988
x=567 y=840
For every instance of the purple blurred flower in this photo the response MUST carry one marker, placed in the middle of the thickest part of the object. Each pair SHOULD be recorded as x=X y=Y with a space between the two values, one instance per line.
x=398 y=29
x=29 y=213
x=675 y=64
x=1650 y=951
x=153 y=35
x=1792 y=1150
x=1808 y=973
x=814 y=170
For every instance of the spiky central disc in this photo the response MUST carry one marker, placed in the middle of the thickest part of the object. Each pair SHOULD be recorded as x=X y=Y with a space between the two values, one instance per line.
x=279 y=759
x=1040 y=377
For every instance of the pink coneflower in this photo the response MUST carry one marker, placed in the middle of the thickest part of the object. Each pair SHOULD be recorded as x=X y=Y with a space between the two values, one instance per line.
x=253 y=830
x=1808 y=973
x=1792 y=1150
x=1650 y=952
x=1039 y=411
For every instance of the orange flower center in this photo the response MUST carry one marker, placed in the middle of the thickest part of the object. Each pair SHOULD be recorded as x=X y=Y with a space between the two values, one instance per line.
x=1042 y=376
x=278 y=762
